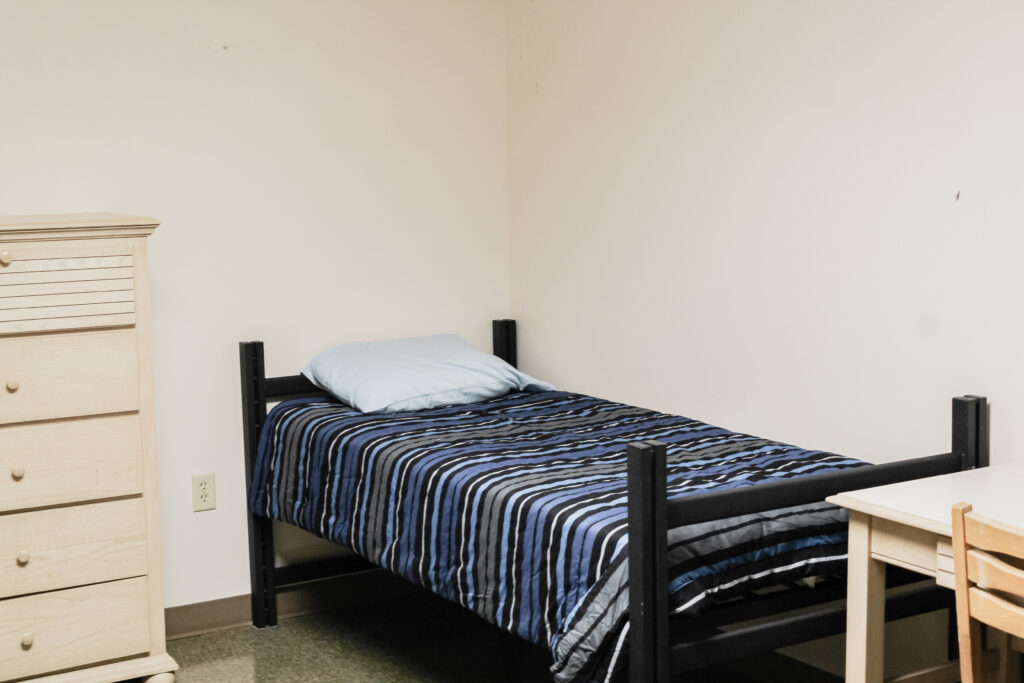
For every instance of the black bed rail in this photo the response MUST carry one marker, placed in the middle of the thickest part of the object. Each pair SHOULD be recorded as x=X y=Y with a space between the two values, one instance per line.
x=294 y=575
x=710 y=649
x=794 y=596
x=292 y=386
x=762 y=497
x=651 y=514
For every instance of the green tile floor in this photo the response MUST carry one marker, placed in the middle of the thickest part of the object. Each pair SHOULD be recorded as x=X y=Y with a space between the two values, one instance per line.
x=395 y=633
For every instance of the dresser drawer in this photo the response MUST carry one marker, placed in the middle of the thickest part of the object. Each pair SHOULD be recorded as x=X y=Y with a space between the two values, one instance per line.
x=65 y=375
x=63 y=629
x=66 y=286
x=70 y=461
x=71 y=546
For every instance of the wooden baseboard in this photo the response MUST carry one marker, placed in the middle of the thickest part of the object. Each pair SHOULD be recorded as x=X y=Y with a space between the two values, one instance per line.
x=233 y=612
x=204 y=617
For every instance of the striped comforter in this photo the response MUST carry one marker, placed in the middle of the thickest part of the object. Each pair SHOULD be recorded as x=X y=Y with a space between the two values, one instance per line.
x=516 y=508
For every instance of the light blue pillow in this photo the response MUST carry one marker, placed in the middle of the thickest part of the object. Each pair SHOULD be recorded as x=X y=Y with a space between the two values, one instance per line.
x=413 y=374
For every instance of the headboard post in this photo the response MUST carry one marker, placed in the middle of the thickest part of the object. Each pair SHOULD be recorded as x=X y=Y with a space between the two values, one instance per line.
x=261 y=534
x=504 y=340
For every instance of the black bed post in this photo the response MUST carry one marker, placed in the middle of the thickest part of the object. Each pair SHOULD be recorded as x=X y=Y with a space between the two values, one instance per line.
x=970 y=442
x=970 y=431
x=261 y=534
x=982 y=423
x=648 y=562
x=504 y=340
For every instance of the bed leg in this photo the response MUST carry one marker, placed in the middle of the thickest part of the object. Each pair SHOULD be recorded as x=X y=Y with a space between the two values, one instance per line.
x=261 y=530
x=648 y=563
x=261 y=571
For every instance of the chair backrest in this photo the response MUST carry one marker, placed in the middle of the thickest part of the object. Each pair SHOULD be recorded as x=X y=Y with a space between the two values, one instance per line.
x=994 y=586
x=987 y=556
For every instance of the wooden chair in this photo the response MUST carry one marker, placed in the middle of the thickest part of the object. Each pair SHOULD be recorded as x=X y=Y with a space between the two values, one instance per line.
x=989 y=589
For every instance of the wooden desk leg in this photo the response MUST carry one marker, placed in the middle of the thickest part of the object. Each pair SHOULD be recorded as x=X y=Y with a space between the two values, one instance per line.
x=1009 y=669
x=865 y=606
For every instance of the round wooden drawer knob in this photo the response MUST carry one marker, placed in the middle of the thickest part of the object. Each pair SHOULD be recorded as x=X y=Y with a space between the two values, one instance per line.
x=12 y=385
x=5 y=258
x=23 y=558
x=17 y=472
x=27 y=640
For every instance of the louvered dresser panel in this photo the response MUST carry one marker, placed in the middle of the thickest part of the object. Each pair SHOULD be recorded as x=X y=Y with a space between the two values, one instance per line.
x=66 y=286
x=80 y=574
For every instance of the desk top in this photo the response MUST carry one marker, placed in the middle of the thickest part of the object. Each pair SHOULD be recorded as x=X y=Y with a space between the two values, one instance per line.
x=996 y=491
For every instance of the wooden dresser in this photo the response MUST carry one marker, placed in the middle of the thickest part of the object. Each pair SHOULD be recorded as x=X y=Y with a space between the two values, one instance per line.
x=80 y=574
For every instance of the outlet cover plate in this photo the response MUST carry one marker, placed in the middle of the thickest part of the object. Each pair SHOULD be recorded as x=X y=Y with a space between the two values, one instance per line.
x=204 y=492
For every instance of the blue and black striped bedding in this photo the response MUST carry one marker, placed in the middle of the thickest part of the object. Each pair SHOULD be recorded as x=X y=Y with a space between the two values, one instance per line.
x=516 y=508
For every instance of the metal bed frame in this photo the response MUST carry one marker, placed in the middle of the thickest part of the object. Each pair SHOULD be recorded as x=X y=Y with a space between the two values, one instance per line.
x=658 y=644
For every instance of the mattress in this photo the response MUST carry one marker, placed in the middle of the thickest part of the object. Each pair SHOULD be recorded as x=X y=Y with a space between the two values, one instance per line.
x=516 y=509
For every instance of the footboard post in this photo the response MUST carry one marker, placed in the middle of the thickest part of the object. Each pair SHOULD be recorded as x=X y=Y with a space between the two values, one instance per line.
x=261 y=534
x=970 y=431
x=648 y=562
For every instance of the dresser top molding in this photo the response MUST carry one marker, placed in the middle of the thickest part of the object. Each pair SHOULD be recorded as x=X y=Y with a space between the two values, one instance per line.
x=74 y=226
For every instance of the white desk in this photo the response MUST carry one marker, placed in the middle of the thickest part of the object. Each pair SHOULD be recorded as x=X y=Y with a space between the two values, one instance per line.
x=910 y=525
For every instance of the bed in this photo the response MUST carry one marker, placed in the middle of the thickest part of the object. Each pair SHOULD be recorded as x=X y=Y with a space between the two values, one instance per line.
x=604 y=532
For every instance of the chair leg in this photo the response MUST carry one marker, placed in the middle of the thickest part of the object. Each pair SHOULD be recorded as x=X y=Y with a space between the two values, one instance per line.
x=971 y=662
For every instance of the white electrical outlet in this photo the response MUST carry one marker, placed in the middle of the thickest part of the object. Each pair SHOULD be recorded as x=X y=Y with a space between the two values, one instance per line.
x=204 y=492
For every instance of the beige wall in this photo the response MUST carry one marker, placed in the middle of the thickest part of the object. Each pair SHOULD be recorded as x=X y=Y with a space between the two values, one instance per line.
x=325 y=171
x=747 y=212
x=744 y=212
